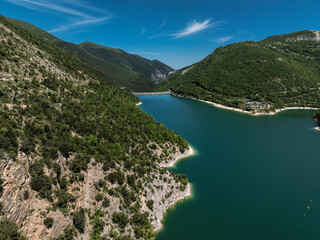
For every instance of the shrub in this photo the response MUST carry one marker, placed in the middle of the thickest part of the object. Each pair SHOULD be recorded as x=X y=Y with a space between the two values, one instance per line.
x=99 y=197
x=79 y=220
x=9 y=231
x=106 y=202
x=120 y=219
x=26 y=194
x=150 y=204
x=48 y=222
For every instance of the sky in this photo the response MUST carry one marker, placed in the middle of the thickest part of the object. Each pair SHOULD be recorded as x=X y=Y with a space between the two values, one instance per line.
x=176 y=32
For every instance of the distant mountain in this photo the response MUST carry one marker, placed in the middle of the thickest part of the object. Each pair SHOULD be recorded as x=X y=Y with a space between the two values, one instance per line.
x=129 y=70
x=280 y=71
x=154 y=69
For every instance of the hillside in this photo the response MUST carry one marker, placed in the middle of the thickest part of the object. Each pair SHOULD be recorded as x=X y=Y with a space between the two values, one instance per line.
x=154 y=69
x=132 y=71
x=79 y=159
x=280 y=71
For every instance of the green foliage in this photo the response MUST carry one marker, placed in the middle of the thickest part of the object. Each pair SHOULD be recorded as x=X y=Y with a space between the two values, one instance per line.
x=116 y=177
x=64 y=198
x=1 y=186
x=48 y=222
x=79 y=220
x=77 y=164
x=9 y=231
x=106 y=202
x=255 y=76
x=182 y=178
x=26 y=194
x=8 y=133
x=150 y=204
x=67 y=234
x=120 y=219
x=98 y=226
x=99 y=197
x=142 y=226
x=316 y=117
x=39 y=181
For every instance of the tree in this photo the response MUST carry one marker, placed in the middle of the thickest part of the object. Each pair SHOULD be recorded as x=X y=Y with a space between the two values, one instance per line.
x=79 y=220
x=48 y=222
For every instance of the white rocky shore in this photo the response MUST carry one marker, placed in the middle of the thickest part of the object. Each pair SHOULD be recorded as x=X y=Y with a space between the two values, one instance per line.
x=244 y=111
x=176 y=157
x=168 y=192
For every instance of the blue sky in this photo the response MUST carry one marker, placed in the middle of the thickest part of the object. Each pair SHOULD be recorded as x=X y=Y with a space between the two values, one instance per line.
x=177 y=32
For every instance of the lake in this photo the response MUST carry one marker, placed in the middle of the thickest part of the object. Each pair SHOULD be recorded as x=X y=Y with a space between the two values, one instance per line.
x=252 y=177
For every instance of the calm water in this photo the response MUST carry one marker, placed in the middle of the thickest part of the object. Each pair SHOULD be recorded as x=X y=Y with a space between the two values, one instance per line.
x=252 y=177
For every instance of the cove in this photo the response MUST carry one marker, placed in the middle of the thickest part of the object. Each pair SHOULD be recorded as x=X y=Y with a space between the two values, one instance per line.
x=252 y=177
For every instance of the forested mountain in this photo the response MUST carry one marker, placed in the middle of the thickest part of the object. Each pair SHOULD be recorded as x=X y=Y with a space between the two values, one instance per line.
x=129 y=70
x=79 y=159
x=280 y=71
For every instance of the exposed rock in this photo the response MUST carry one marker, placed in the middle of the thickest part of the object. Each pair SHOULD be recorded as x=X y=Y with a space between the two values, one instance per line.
x=29 y=213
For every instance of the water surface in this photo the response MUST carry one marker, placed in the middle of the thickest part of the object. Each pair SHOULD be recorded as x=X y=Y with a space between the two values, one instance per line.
x=252 y=177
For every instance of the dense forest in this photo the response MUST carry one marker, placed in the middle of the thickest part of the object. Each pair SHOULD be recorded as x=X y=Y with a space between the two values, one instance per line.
x=59 y=117
x=280 y=71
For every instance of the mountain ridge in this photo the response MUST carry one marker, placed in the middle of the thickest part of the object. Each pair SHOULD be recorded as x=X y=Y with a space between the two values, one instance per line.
x=277 y=72
x=143 y=77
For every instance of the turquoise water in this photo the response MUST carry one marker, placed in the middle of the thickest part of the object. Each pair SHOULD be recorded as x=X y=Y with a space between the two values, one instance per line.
x=252 y=177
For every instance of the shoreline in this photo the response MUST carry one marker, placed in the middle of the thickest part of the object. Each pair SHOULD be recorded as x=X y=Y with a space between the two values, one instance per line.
x=151 y=93
x=179 y=195
x=177 y=157
x=244 y=111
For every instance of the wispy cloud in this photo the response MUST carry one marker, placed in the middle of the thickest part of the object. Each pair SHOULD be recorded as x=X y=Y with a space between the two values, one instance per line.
x=145 y=53
x=142 y=30
x=223 y=39
x=194 y=27
x=76 y=11
x=79 y=23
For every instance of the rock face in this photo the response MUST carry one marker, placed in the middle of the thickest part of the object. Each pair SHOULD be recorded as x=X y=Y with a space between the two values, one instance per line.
x=160 y=75
x=30 y=212
x=164 y=197
x=27 y=212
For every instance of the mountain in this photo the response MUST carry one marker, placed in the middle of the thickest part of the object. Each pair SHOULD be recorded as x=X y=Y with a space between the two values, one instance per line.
x=154 y=69
x=129 y=70
x=79 y=159
x=280 y=71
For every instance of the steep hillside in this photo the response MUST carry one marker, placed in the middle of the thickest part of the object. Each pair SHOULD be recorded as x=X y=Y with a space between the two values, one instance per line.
x=79 y=159
x=280 y=71
x=131 y=71
x=155 y=70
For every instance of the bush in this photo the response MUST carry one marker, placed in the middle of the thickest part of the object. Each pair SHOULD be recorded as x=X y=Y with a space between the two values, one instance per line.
x=79 y=220
x=106 y=202
x=9 y=231
x=116 y=177
x=26 y=194
x=99 y=197
x=39 y=181
x=48 y=222
x=120 y=219
x=1 y=187
x=150 y=204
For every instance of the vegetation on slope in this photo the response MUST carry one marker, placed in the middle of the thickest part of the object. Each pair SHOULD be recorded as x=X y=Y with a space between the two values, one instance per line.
x=316 y=117
x=131 y=71
x=281 y=71
x=55 y=107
